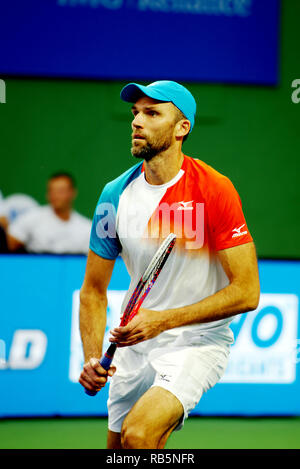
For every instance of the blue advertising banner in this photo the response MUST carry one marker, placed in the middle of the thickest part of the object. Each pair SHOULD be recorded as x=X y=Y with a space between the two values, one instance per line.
x=190 y=40
x=41 y=353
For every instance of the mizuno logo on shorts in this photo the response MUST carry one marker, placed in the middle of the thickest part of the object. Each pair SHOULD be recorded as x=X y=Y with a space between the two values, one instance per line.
x=164 y=377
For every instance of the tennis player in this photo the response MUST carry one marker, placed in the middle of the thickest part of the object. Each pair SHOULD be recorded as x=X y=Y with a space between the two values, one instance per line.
x=177 y=346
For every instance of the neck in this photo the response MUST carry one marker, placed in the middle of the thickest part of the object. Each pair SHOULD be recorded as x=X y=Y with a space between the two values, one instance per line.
x=163 y=167
x=63 y=214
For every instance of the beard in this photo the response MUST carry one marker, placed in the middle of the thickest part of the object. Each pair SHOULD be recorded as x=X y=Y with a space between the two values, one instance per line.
x=152 y=148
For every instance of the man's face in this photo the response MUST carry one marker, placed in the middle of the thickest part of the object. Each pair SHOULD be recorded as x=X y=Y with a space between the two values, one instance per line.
x=60 y=193
x=153 y=127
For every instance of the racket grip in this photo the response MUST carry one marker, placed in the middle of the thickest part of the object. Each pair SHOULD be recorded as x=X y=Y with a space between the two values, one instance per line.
x=105 y=362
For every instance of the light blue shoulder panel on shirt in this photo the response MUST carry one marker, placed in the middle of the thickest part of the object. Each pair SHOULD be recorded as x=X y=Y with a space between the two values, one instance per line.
x=104 y=239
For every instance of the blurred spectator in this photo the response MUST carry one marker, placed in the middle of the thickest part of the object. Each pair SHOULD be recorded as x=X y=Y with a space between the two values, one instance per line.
x=54 y=228
x=10 y=208
x=13 y=206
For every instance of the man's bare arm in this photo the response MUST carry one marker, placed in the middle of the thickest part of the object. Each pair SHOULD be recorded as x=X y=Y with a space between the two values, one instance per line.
x=93 y=304
x=241 y=295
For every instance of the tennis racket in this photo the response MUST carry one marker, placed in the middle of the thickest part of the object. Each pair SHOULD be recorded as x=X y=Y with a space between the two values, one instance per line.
x=142 y=289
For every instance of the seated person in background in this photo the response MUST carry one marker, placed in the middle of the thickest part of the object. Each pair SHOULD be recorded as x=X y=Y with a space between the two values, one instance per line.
x=12 y=207
x=54 y=228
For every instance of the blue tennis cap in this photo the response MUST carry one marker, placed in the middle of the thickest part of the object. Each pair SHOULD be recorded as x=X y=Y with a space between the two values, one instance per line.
x=163 y=90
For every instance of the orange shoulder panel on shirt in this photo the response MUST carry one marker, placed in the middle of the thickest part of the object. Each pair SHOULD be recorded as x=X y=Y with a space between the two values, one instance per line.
x=227 y=222
x=203 y=208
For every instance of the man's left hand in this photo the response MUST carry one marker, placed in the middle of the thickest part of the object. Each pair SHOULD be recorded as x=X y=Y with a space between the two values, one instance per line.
x=145 y=325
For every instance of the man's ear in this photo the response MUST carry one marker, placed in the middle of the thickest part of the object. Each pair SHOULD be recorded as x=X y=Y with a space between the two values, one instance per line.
x=183 y=128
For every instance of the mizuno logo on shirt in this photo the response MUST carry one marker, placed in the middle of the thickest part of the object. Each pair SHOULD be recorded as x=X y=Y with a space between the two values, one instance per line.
x=237 y=231
x=185 y=205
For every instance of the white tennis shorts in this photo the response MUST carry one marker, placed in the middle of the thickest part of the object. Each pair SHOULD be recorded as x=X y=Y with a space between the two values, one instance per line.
x=187 y=371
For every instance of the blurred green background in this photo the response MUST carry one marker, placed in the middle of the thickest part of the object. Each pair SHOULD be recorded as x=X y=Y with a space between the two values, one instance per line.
x=251 y=134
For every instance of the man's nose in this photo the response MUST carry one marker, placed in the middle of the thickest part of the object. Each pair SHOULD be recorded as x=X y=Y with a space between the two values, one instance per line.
x=137 y=121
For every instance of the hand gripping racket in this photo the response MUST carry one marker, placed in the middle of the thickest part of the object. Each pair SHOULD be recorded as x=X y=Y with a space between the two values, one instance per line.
x=142 y=289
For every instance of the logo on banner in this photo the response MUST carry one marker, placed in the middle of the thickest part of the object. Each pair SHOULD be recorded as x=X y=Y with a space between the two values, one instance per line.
x=266 y=348
x=27 y=351
x=266 y=345
x=227 y=8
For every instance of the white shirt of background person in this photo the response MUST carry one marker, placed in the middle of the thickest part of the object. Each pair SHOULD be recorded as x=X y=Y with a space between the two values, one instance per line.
x=55 y=228
x=15 y=205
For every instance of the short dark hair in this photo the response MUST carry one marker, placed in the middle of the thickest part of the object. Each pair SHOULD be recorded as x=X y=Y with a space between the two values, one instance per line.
x=178 y=117
x=63 y=174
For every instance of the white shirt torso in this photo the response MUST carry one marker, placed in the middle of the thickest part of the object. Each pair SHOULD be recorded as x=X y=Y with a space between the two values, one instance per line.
x=41 y=230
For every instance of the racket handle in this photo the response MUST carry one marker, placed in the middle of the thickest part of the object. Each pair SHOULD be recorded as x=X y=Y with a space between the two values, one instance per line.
x=105 y=362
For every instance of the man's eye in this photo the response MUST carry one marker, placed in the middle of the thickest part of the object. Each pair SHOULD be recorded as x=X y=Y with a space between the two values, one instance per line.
x=153 y=113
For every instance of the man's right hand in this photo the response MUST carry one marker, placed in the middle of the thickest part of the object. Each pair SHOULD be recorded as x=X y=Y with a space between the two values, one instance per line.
x=93 y=377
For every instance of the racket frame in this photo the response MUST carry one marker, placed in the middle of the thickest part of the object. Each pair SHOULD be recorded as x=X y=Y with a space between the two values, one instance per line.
x=136 y=300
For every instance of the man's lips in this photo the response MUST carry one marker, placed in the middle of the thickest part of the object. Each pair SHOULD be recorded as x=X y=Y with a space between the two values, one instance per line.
x=138 y=137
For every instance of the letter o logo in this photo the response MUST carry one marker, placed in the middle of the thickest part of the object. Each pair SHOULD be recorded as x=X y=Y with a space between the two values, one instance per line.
x=257 y=338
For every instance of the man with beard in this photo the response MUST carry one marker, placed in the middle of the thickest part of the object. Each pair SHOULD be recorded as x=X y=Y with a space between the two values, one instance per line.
x=177 y=346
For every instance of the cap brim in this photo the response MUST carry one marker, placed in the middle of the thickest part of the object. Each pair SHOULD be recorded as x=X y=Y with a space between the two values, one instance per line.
x=133 y=91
